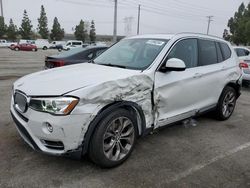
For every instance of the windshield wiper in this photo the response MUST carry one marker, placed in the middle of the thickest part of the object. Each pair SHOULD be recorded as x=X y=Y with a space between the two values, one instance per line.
x=113 y=65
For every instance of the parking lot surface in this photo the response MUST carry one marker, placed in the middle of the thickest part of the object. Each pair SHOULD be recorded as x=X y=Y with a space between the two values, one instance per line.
x=210 y=154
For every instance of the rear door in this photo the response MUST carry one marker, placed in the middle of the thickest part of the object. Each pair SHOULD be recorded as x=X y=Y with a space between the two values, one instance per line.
x=211 y=68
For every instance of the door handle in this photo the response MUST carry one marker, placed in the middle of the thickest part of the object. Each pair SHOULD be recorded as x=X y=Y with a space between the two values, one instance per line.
x=197 y=75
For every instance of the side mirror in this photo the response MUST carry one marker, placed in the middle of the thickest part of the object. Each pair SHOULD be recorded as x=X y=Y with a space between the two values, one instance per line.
x=174 y=64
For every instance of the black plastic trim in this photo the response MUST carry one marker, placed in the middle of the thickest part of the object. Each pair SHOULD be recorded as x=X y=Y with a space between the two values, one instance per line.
x=21 y=116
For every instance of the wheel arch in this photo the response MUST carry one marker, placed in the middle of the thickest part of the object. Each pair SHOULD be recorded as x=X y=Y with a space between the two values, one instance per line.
x=236 y=86
x=130 y=106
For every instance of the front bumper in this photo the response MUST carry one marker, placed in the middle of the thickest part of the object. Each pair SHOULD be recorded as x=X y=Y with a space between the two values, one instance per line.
x=67 y=135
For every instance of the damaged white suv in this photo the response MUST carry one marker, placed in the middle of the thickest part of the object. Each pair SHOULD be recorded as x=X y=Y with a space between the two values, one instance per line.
x=139 y=84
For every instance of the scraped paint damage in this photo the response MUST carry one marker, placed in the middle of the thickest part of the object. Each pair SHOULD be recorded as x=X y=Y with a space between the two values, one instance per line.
x=137 y=89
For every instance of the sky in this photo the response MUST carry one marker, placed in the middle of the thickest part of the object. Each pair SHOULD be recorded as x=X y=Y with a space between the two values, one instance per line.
x=157 y=16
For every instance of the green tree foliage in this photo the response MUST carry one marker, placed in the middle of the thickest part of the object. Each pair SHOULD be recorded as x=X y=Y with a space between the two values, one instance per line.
x=43 y=24
x=3 y=27
x=92 y=32
x=26 y=27
x=57 y=33
x=239 y=26
x=80 y=31
x=12 y=31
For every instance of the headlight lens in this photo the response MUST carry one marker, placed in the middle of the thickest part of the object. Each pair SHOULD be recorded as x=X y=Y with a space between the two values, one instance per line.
x=56 y=105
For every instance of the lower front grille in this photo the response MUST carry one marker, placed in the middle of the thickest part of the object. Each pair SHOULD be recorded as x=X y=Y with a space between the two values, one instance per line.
x=53 y=144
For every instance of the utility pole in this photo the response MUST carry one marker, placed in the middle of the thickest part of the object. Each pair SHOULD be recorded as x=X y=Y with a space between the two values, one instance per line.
x=209 y=21
x=138 y=21
x=1 y=4
x=115 y=23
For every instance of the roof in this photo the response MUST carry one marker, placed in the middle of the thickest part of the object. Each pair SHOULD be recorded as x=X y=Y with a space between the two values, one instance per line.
x=178 y=35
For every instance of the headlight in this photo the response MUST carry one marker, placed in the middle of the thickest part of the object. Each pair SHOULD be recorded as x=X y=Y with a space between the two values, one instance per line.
x=55 y=105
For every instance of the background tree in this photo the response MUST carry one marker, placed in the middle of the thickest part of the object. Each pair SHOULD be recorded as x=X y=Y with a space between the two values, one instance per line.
x=26 y=27
x=57 y=33
x=12 y=31
x=3 y=27
x=80 y=31
x=43 y=24
x=92 y=32
x=239 y=25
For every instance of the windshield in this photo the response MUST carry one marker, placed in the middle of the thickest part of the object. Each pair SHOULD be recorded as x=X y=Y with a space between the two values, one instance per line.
x=132 y=53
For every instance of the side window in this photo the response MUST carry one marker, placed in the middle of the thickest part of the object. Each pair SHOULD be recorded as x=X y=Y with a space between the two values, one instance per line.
x=219 y=53
x=247 y=52
x=77 y=43
x=90 y=55
x=207 y=53
x=187 y=51
x=99 y=52
x=226 y=52
x=241 y=52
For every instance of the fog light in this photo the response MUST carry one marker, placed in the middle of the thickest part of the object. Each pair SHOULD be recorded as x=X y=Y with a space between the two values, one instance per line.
x=49 y=127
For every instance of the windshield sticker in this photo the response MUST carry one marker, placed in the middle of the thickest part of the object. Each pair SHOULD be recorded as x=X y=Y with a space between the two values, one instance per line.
x=155 y=42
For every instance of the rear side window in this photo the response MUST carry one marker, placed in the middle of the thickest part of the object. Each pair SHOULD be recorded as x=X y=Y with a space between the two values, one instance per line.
x=187 y=51
x=207 y=53
x=226 y=52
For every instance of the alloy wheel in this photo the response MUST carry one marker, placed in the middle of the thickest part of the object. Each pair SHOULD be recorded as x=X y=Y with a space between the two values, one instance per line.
x=118 y=138
x=228 y=104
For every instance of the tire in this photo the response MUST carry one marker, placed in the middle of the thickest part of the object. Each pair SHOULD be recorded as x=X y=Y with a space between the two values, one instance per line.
x=45 y=48
x=226 y=104
x=114 y=149
x=59 y=49
x=34 y=50
x=16 y=49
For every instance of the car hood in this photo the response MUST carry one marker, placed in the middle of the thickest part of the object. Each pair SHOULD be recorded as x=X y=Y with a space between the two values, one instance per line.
x=59 y=81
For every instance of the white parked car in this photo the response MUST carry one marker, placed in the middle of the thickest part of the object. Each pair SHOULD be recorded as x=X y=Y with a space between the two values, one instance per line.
x=26 y=41
x=244 y=55
x=139 y=84
x=5 y=43
x=72 y=44
x=54 y=44
x=42 y=44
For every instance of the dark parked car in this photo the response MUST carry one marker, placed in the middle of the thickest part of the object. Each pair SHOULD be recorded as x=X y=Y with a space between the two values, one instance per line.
x=73 y=56
x=24 y=47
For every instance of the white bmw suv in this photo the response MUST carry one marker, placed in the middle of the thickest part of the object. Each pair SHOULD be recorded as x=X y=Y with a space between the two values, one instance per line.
x=138 y=85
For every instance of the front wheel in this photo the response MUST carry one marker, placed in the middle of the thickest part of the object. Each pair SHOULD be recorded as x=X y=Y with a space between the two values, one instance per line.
x=16 y=49
x=226 y=104
x=114 y=139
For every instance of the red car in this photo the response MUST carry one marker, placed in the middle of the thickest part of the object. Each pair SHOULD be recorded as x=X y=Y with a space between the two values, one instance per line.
x=24 y=47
